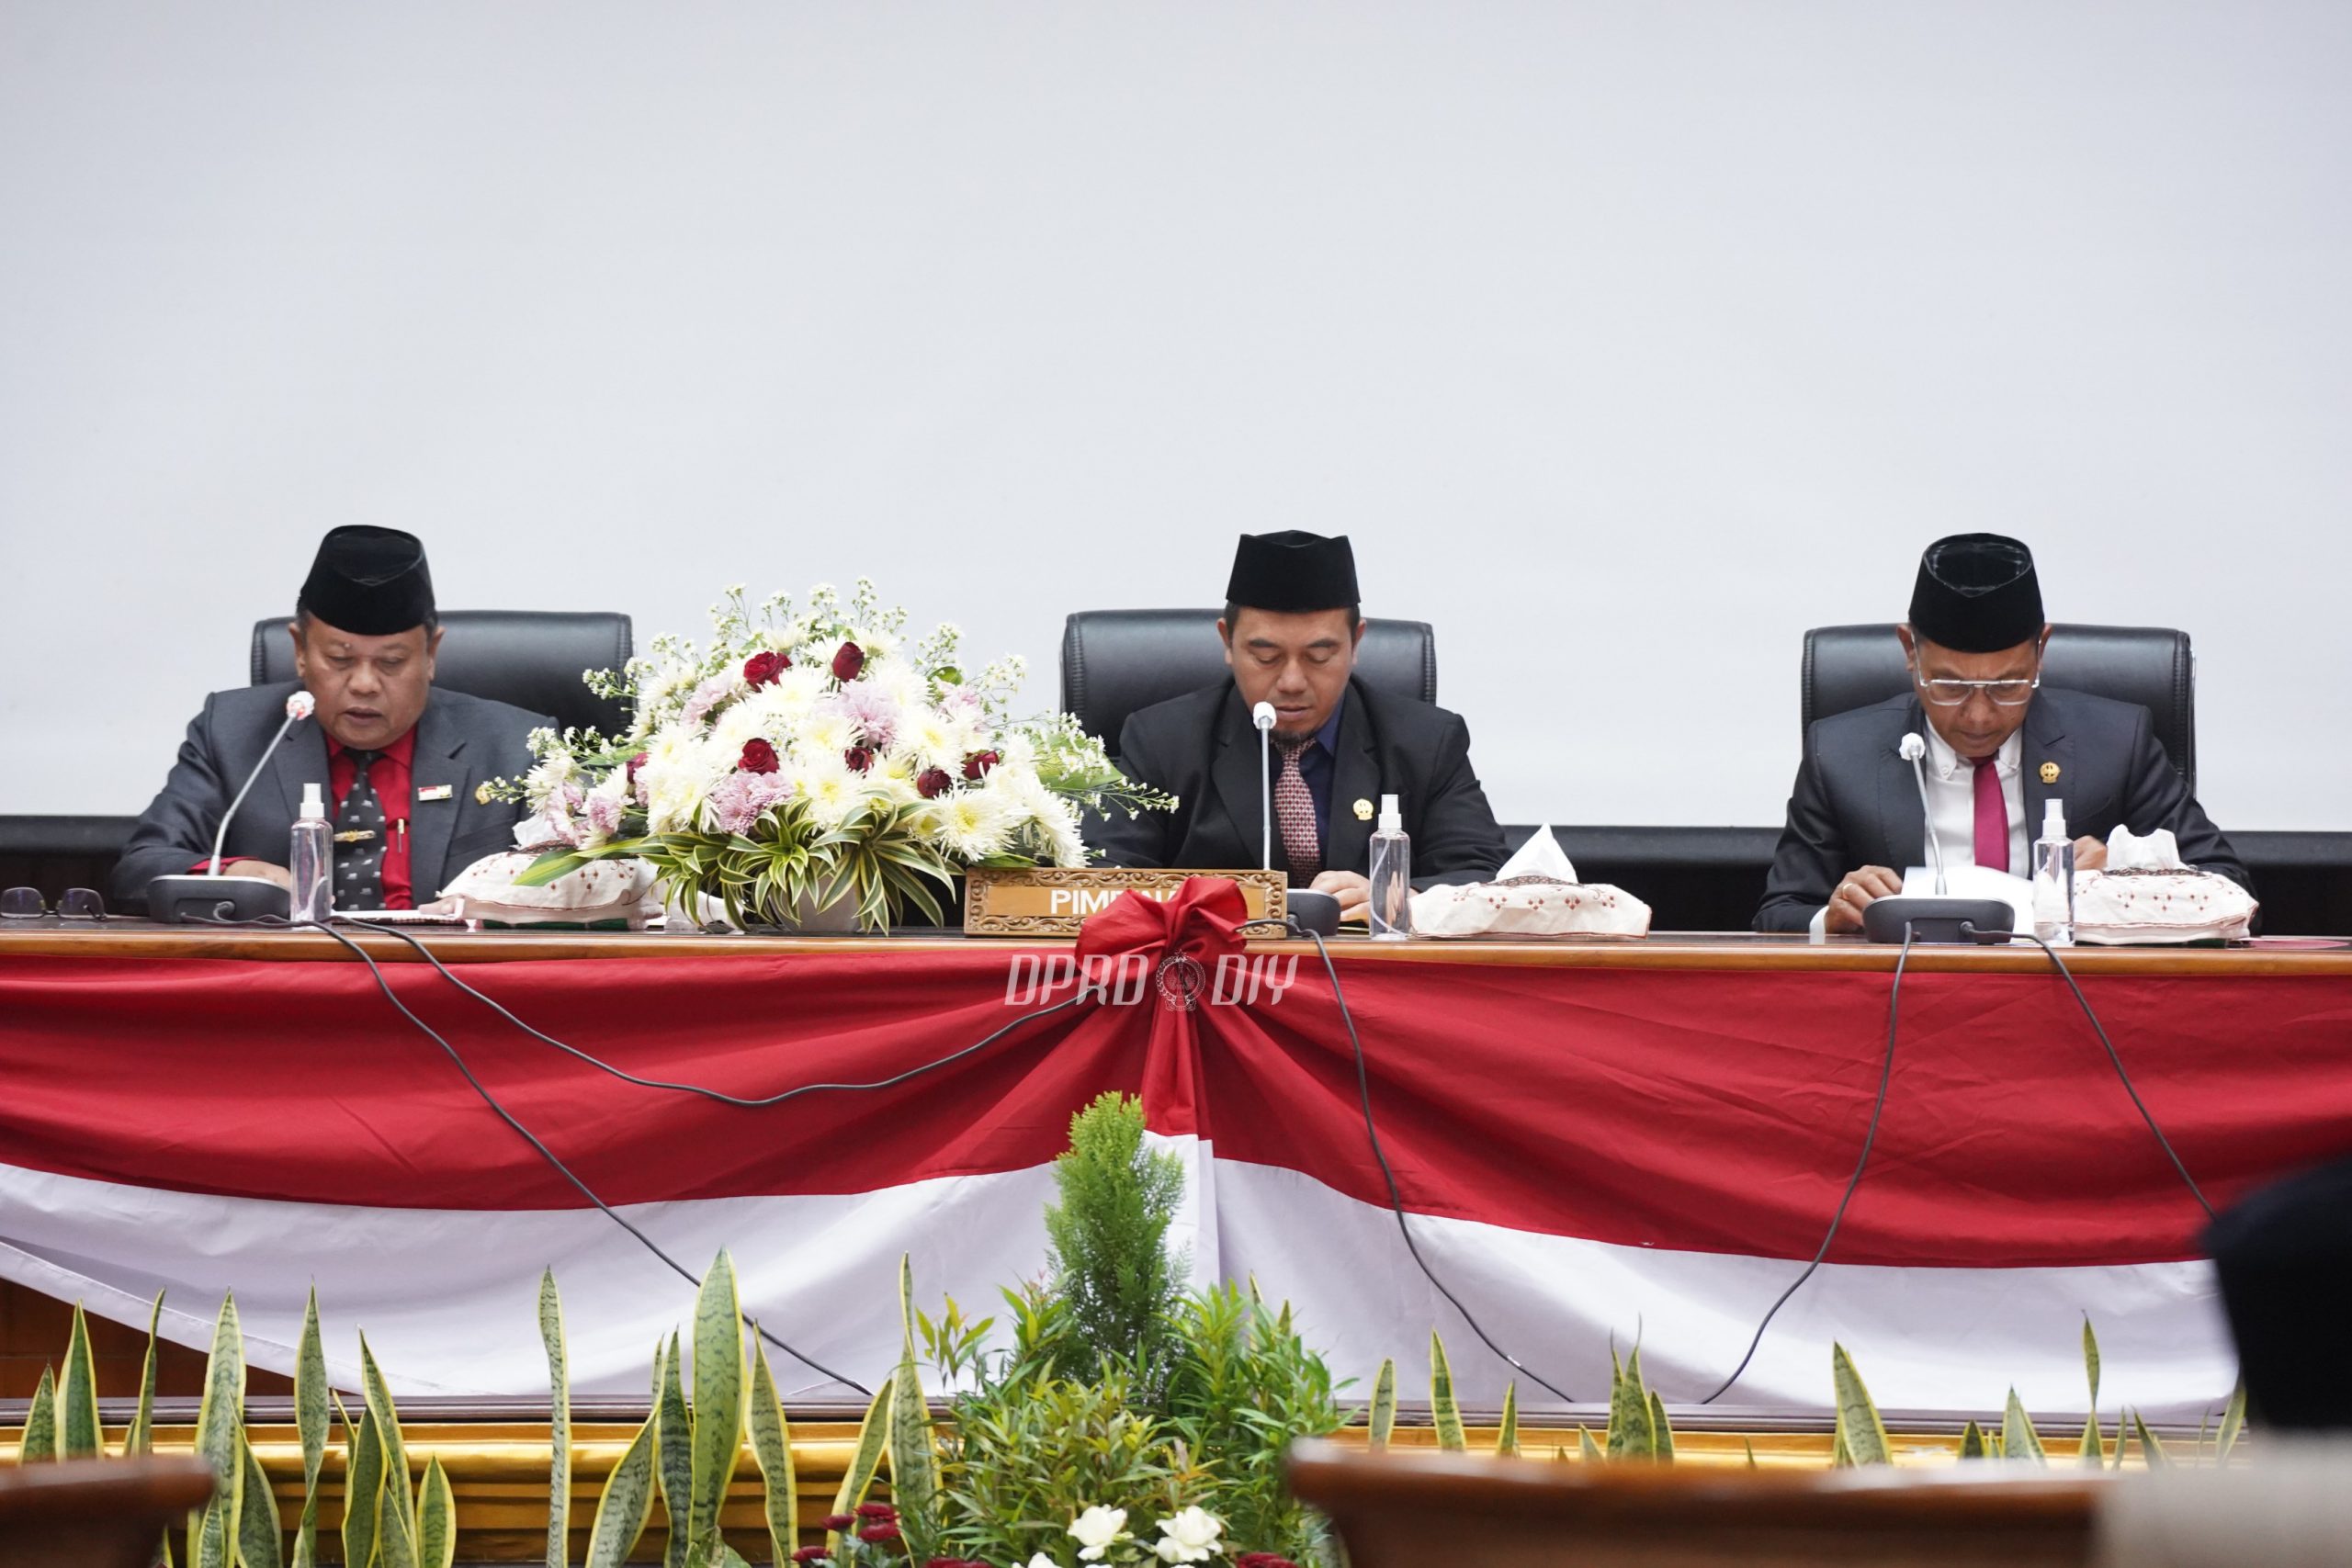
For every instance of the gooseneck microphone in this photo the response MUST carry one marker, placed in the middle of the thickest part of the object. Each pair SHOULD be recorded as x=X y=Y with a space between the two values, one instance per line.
x=210 y=896
x=1262 y=715
x=1941 y=919
x=1913 y=749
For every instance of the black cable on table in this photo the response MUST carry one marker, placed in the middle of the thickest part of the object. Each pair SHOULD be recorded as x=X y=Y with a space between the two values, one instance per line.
x=1885 y=1077
x=1396 y=1198
x=547 y=1154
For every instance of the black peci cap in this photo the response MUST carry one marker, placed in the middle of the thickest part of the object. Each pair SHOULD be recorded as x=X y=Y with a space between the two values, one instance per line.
x=1291 y=571
x=370 y=582
x=1977 y=593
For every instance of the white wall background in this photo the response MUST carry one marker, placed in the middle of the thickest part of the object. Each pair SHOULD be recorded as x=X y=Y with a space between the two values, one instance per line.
x=1628 y=340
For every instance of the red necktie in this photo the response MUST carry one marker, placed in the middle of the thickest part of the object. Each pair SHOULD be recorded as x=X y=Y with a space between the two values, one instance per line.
x=1992 y=816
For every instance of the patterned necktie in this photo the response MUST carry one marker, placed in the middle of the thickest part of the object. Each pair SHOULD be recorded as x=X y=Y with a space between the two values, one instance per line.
x=1295 y=812
x=1992 y=816
x=359 y=868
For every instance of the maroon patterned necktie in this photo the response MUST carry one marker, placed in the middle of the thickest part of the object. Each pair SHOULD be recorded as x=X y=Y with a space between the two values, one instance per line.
x=1294 y=811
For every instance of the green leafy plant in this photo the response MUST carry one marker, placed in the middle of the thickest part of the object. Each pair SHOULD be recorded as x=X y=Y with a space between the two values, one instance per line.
x=1107 y=1241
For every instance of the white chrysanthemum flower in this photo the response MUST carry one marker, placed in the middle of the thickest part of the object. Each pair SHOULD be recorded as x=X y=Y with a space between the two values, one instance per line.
x=935 y=739
x=1028 y=802
x=831 y=786
x=971 y=823
x=678 y=770
x=875 y=642
x=782 y=704
x=894 y=779
x=551 y=774
x=824 y=731
x=741 y=722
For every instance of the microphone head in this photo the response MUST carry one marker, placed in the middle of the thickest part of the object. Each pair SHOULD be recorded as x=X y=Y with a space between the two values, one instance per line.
x=1262 y=715
x=1913 y=748
x=300 y=704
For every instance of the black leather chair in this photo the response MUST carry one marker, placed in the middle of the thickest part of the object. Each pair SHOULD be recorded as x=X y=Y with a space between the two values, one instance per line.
x=1852 y=667
x=1115 y=661
x=533 y=658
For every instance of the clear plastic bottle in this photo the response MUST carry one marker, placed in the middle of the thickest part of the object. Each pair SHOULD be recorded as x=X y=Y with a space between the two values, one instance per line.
x=310 y=860
x=2054 y=878
x=1392 y=876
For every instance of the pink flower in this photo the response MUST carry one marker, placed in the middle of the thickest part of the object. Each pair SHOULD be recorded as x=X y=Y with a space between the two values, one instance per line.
x=709 y=695
x=604 y=814
x=875 y=716
x=847 y=661
x=738 y=800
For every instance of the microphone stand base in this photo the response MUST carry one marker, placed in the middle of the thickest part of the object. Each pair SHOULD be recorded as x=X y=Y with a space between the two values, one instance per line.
x=194 y=899
x=1936 y=919
x=1317 y=912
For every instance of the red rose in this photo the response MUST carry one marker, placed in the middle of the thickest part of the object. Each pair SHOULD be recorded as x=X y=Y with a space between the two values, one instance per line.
x=837 y=1521
x=635 y=762
x=933 y=783
x=759 y=757
x=848 y=662
x=876 y=1511
x=808 y=1554
x=761 y=669
x=977 y=764
x=858 y=758
x=878 y=1535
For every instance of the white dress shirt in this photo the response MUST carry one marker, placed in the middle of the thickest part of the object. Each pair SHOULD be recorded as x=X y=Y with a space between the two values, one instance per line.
x=1951 y=801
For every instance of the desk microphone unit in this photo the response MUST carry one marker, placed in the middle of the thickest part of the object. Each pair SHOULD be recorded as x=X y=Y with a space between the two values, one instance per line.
x=1312 y=911
x=208 y=894
x=1941 y=919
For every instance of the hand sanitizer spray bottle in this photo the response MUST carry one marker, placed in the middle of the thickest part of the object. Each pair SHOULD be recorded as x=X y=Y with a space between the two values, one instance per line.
x=311 y=860
x=2054 y=878
x=1392 y=876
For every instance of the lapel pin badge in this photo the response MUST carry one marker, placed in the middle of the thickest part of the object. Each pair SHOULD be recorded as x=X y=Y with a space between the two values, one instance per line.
x=439 y=792
x=2050 y=773
x=482 y=793
x=1363 y=811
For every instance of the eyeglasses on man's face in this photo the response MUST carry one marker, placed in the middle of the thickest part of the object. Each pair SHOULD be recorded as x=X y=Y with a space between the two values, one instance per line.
x=1949 y=694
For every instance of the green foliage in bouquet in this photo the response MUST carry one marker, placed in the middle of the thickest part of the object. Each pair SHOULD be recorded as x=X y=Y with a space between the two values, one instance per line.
x=810 y=758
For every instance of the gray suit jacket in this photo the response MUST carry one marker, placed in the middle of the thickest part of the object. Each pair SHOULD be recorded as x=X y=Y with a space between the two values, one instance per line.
x=1201 y=749
x=1856 y=802
x=461 y=742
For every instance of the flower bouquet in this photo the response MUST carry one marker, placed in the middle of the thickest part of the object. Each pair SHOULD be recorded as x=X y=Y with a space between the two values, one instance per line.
x=810 y=758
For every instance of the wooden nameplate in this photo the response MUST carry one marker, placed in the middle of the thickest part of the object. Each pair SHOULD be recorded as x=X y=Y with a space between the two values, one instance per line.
x=1055 y=900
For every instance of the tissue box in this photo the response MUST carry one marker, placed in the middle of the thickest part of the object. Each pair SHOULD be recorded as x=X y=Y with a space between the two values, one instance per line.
x=602 y=892
x=1530 y=905
x=2118 y=906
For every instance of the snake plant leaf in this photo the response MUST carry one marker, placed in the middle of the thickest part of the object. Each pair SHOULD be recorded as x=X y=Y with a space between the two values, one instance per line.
x=388 y=1432
x=1507 y=1429
x=1972 y=1442
x=2091 y=1358
x=2090 y=1453
x=873 y=1434
x=2020 y=1441
x=627 y=1500
x=2233 y=1423
x=559 y=1425
x=220 y=1423
x=1629 y=1409
x=140 y=1439
x=258 y=1545
x=718 y=1396
x=674 y=1455
x=729 y=1557
x=311 y=1420
x=210 y=1547
x=1587 y=1450
x=436 y=1519
x=914 y=1451
x=2151 y=1452
x=395 y=1528
x=1661 y=1434
x=39 y=1444
x=1444 y=1414
x=1384 y=1404
x=363 y=1490
x=772 y=1447
x=1865 y=1433
x=79 y=1435
x=1841 y=1457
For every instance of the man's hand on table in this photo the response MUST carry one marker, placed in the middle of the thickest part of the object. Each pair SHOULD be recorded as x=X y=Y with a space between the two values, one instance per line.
x=1858 y=892
x=1353 y=892
x=261 y=868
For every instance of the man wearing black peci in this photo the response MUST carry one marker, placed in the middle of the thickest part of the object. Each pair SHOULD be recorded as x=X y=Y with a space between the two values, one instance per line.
x=1290 y=629
x=399 y=762
x=1999 y=745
